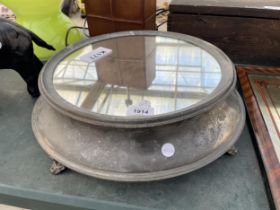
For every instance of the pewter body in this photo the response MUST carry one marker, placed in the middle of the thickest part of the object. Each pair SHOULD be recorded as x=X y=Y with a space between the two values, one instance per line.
x=129 y=148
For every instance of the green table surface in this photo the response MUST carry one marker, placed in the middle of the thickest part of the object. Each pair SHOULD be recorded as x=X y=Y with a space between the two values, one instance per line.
x=227 y=183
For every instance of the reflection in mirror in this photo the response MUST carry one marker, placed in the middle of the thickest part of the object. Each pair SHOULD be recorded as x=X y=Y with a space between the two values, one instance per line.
x=168 y=73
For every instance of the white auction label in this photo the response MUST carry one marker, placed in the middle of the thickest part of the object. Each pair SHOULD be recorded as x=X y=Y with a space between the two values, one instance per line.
x=168 y=150
x=95 y=55
x=142 y=109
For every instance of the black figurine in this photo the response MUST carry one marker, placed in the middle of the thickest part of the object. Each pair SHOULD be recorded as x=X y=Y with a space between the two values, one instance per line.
x=16 y=52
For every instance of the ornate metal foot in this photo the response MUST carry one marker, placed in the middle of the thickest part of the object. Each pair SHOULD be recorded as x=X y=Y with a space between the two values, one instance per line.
x=232 y=151
x=56 y=168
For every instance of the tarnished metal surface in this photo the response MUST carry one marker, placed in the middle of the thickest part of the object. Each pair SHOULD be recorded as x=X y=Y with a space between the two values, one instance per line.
x=136 y=154
x=202 y=123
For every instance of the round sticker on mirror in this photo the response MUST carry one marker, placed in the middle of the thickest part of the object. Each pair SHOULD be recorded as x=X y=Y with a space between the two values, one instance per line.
x=168 y=150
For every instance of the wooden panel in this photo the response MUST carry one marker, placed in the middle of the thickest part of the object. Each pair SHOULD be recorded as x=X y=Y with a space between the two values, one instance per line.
x=97 y=7
x=264 y=142
x=258 y=4
x=244 y=40
x=248 y=8
x=98 y=26
x=127 y=26
x=124 y=9
x=150 y=23
x=149 y=8
x=106 y=16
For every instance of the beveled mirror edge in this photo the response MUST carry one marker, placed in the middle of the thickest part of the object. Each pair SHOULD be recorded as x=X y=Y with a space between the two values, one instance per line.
x=226 y=86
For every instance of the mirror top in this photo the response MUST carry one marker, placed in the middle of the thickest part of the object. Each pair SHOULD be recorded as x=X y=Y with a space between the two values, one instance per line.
x=138 y=77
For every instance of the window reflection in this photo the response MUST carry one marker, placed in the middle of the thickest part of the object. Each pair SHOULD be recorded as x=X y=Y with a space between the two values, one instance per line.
x=171 y=75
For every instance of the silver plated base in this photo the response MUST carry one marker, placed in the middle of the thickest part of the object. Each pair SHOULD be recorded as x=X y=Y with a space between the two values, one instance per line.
x=134 y=155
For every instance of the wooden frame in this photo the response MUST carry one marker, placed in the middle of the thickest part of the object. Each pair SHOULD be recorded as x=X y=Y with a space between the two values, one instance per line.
x=264 y=142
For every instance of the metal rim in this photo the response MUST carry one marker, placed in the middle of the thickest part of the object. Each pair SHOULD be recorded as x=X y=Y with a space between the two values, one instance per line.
x=141 y=177
x=226 y=86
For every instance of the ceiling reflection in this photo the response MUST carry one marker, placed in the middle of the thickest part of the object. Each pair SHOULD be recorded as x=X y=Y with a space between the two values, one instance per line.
x=168 y=73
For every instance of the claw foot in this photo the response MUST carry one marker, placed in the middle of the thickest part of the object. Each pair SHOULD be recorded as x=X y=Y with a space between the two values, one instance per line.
x=57 y=168
x=232 y=151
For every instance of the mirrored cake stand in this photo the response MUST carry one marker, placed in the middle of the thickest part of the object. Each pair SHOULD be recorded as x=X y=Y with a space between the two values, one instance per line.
x=138 y=106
